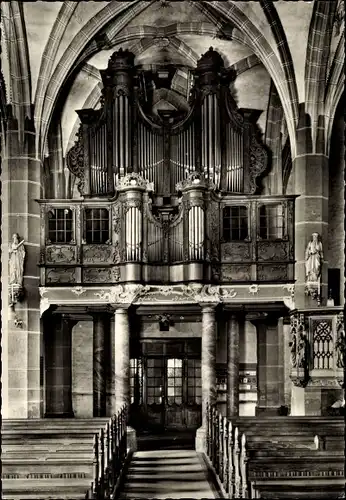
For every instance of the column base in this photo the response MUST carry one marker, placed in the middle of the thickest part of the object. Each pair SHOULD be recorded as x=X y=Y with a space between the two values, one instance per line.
x=131 y=439
x=66 y=414
x=201 y=440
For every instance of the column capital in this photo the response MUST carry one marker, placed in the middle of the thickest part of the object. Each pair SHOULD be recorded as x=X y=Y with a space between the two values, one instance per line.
x=123 y=309
x=208 y=307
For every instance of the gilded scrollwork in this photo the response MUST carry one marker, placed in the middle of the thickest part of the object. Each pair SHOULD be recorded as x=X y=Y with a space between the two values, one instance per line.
x=75 y=160
x=94 y=254
x=235 y=252
x=272 y=250
x=268 y=272
x=236 y=272
x=97 y=275
x=194 y=180
x=123 y=294
x=60 y=254
x=258 y=162
x=61 y=275
x=134 y=180
x=116 y=219
x=132 y=204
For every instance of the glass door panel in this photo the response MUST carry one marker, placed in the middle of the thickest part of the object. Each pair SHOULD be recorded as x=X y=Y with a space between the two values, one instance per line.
x=155 y=382
x=193 y=392
x=174 y=408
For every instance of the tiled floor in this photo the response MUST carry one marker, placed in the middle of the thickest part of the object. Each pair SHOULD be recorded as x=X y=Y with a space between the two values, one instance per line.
x=168 y=474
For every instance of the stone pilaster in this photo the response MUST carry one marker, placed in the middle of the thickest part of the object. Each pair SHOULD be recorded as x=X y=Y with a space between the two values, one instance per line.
x=311 y=183
x=122 y=368
x=208 y=370
x=232 y=366
x=270 y=370
x=21 y=333
x=101 y=347
x=58 y=341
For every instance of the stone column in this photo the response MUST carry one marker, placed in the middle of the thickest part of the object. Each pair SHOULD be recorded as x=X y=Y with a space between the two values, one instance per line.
x=270 y=370
x=122 y=368
x=122 y=358
x=232 y=367
x=208 y=370
x=100 y=364
x=58 y=341
x=21 y=345
x=311 y=207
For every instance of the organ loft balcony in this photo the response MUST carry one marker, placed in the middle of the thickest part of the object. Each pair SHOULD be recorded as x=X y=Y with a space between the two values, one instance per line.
x=167 y=187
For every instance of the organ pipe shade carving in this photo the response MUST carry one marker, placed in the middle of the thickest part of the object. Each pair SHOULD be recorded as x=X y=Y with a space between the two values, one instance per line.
x=209 y=134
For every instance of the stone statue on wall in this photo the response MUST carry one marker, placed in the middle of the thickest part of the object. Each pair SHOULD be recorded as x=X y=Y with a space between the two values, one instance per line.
x=313 y=258
x=16 y=261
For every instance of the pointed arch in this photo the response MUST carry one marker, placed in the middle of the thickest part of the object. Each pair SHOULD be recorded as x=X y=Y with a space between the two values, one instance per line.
x=49 y=54
x=263 y=50
x=15 y=39
x=335 y=87
x=245 y=64
x=284 y=52
x=317 y=53
x=142 y=45
x=72 y=53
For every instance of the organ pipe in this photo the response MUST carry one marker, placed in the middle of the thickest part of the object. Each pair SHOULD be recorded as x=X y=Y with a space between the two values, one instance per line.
x=133 y=232
x=196 y=233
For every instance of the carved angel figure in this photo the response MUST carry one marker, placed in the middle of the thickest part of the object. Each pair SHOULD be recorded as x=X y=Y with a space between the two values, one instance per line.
x=301 y=351
x=293 y=346
x=341 y=350
x=16 y=261
x=313 y=258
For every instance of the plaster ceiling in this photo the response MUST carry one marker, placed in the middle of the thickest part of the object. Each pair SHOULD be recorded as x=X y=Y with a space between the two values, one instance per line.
x=162 y=13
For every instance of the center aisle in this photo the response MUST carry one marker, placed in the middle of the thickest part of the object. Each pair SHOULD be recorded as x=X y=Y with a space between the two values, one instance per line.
x=168 y=474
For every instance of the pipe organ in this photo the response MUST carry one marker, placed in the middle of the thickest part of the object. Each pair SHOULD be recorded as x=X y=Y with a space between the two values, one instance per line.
x=207 y=135
x=179 y=185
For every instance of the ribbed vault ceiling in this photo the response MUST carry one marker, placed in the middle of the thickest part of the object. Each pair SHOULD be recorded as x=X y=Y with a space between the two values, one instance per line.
x=69 y=42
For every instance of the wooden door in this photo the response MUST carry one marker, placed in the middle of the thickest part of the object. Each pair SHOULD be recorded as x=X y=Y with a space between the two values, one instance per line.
x=166 y=392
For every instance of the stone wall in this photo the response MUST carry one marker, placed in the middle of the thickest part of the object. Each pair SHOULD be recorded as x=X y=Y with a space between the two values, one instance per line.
x=82 y=369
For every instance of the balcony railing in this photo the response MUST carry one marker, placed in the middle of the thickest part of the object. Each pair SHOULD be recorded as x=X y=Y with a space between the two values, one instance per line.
x=226 y=450
x=110 y=452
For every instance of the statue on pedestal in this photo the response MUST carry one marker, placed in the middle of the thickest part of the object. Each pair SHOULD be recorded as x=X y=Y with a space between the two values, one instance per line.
x=313 y=258
x=313 y=265
x=16 y=261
